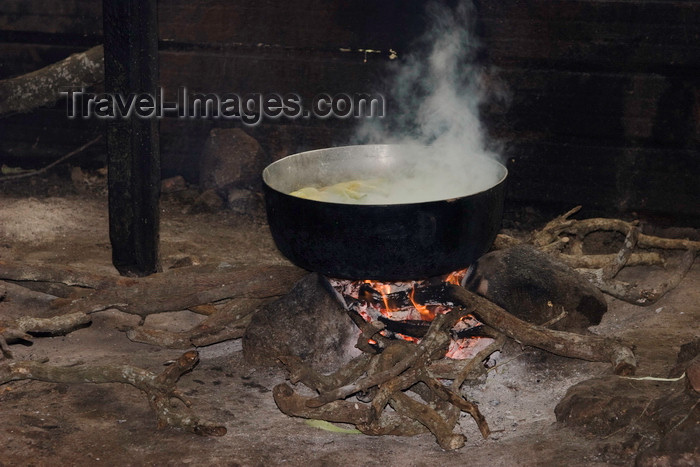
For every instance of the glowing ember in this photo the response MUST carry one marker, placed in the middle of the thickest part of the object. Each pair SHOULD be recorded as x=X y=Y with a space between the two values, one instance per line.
x=396 y=304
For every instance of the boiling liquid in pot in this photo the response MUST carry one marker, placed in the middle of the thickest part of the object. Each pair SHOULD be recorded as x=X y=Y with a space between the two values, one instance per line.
x=429 y=187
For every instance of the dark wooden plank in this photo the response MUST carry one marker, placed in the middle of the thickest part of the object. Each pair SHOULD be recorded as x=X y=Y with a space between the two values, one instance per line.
x=307 y=74
x=675 y=12
x=636 y=107
x=133 y=159
x=593 y=56
x=367 y=24
x=610 y=35
x=612 y=178
x=41 y=136
x=21 y=58
x=79 y=17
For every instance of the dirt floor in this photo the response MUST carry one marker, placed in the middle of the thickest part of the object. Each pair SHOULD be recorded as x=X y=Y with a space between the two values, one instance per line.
x=110 y=424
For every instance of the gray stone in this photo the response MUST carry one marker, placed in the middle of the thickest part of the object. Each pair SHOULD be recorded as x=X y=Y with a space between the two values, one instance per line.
x=536 y=288
x=173 y=184
x=309 y=323
x=231 y=157
x=243 y=201
x=208 y=201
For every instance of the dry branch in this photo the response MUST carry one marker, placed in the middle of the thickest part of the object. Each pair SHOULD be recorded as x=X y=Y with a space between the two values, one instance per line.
x=159 y=388
x=384 y=378
x=183 y=288
x=631 y=292
x=298 y=371
x=474 y=364
x=600 y=261
x=432 y=346
x=26 y=92
x=31 y=272
x=61 y=159
x=556 y=233
x=19 y=329
x=585 y=347
x=294 y=404
x=576 y=259
x=174 y=290
x=408 y=407
x=563 y=225
x=609 y=271
x=227 y=323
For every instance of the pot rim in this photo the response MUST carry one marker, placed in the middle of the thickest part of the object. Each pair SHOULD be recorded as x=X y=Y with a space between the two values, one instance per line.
x=266 y=173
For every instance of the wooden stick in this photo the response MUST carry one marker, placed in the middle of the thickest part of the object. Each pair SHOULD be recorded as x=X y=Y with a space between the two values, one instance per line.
x=611 y=270
x=408 y=407
x=631 y=293
x=600 y=261
x=299 y=372
x=460 y=402
x=26 y=92
x=430 y=345
x=33 y=272
x=18 y=329
x=229 y=322
x=160 y=388
x=53 y=164
x=586 y=347
x=182 y=288
x=338 y=411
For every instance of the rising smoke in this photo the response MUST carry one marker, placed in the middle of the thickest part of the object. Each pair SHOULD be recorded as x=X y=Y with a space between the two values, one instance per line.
x=436 y=90
x=438 y=149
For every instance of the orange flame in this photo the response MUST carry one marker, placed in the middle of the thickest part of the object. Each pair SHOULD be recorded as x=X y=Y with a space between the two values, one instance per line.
x=383 y=289
x=456 y=277
x=425 y=313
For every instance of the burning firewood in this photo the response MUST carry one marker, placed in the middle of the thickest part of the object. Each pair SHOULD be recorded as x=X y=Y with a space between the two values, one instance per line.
x=401 y=366
x=409 y=377
x=567 y=344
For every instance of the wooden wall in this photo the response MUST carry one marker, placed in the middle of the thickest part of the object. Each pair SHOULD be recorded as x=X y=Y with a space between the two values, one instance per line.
x=605 y=106
x=604 y=94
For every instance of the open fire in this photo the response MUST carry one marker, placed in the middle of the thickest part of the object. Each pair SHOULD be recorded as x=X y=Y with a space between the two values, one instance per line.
x=407 y=308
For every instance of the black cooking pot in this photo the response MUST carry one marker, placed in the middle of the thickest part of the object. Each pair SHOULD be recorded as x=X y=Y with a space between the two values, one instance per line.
x=387 y=242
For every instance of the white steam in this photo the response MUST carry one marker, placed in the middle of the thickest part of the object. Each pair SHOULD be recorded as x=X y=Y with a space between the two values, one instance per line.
x=437 y=146
x=435 y=97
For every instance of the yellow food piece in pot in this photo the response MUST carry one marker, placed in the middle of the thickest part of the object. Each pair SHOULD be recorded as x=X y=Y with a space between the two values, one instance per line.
x=341 y=192
x=308 y=192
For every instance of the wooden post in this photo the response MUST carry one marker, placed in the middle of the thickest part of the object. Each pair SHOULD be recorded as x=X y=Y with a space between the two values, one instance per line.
x=133 y=157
